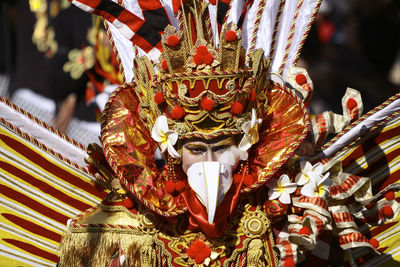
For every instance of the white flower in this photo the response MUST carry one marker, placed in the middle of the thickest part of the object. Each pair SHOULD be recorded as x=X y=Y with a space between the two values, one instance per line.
x=317 y=187
x=250 y=129
x=282 y=190
x=308 y=172
x=165 y=137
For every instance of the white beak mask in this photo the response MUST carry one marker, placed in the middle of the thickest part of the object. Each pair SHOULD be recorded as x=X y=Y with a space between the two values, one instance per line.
x=210 y=180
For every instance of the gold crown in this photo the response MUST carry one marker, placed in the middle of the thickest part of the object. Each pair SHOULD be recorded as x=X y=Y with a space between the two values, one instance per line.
x=203 y=91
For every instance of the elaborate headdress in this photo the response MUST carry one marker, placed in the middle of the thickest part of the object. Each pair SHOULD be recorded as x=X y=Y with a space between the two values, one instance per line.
x=203 y=86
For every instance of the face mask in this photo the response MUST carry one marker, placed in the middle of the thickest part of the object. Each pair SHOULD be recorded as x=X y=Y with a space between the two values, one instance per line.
x=210 y=180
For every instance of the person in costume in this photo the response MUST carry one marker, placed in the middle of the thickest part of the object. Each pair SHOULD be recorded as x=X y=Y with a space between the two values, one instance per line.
x=232 y=192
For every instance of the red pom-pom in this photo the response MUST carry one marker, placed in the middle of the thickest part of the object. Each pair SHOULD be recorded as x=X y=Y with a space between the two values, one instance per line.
x=390 y=195
x=180 y=186
x=208 y=59
x=374 y=243
x=198 y=251
x=289 y=263
x=301 y=79
x=253 y=95
x=164 y=65
x=172 y=40
x=207 y=104
x=305 y=231
x=178 y=113
x=213 y=2
x=351 y=103
x=202 y=50
x=198 y=59
x=248 y=179
x=237 y=178
x=159 y=98
x=388 y=212
x=169 y=187
x=237 y=108
x=230 y=36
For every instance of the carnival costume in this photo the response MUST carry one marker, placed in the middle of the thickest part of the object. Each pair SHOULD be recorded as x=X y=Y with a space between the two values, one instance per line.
x=226 y=70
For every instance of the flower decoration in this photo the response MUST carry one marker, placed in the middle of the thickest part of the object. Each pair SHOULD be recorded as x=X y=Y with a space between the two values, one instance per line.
x=308 y=172
x=79 y=60
x=250 y=129
x=318 y=186
x=282 y=190
x=165 y=137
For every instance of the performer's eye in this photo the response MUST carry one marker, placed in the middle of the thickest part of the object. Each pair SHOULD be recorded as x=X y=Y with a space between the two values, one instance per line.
x=220 y=149
x=196 y=150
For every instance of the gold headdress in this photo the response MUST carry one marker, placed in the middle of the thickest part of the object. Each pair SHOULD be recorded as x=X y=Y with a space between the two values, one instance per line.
x=203 y=91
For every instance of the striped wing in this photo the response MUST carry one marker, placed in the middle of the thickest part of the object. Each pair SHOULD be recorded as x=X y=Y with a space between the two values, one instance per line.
x=39 y=191
x=376 y=155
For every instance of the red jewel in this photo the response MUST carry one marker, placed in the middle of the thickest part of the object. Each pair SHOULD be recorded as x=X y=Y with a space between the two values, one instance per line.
x=207 y=104
x=301 y=79
x=164 y=65
x=305 y=231
x=178 y=113
x=390 y=195
x=213 y=2
x=172 y=40
x=237 y=108
x=374 y=243
x=230 y=36
x=388 y=212
x=159 y=98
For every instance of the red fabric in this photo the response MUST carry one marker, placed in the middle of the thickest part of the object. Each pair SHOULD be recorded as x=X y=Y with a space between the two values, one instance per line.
x=198 y=213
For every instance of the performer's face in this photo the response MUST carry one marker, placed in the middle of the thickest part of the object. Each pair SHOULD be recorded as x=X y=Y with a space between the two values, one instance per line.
x=198 y=151
x=209 y=166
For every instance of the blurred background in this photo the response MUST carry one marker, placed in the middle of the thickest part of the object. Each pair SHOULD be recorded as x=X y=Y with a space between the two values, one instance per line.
x=57 y=63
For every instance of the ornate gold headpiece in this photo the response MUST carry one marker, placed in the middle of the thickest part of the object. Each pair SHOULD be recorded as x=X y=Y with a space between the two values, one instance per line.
x=203 y=91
